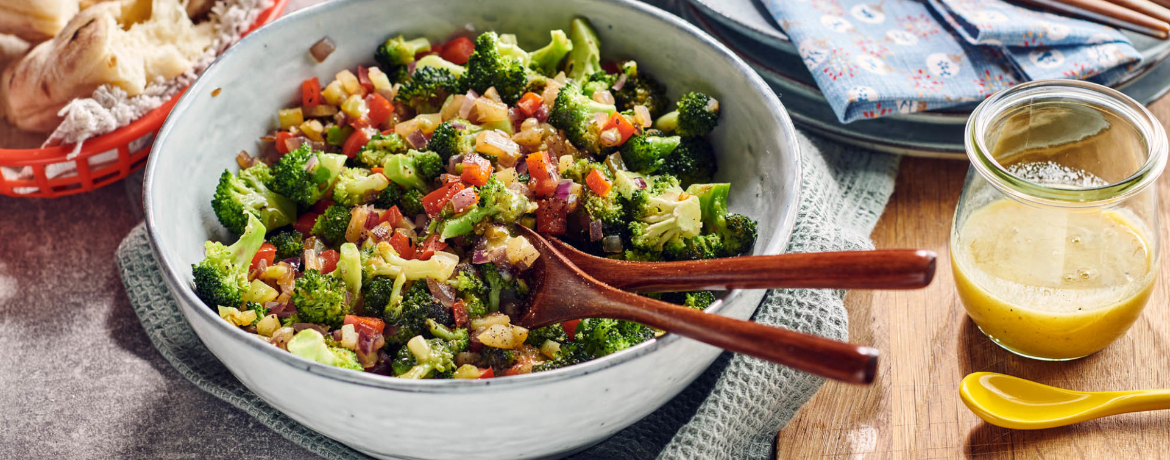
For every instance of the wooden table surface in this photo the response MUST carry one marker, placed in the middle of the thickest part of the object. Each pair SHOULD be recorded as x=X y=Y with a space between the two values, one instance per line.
x=928 y=345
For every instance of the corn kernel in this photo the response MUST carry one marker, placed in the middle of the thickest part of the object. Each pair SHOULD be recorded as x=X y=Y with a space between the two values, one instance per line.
x=290 y=117
x=313 y=130
x=350 y=82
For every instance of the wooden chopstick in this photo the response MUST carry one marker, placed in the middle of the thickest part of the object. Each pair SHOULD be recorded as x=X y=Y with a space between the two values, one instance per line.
x=1107 y=13
x=1145 y=7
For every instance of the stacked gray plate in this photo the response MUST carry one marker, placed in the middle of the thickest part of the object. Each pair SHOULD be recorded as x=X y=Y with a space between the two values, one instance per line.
x=747 y=28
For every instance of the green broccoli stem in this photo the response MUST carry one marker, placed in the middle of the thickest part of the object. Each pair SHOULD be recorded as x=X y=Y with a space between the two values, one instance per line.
x=585 y=57
x=547 y=59
x=667 y=123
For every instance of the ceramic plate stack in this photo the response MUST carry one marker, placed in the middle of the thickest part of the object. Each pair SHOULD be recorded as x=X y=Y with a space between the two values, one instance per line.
x=747 y=28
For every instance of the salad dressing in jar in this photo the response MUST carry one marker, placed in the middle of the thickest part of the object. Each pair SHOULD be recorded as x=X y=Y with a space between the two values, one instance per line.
x=1055 y=246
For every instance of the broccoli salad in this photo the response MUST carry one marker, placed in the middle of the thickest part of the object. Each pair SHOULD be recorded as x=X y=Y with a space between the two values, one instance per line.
x=376 y=229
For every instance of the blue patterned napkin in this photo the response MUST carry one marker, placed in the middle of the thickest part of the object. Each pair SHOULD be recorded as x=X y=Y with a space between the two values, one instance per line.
x=873 y=59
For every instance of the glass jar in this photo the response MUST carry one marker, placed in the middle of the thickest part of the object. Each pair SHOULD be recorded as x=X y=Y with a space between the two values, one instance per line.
x=1054 y=244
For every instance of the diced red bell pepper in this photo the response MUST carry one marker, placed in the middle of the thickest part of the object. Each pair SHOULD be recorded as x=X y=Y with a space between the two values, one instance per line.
x=570 y=328
x=551 y=217
x=311 y=93
x=329 y=260
x=355 y=142
x=367 y=324
x=267 y=252
x=457 y=50
x=363 y=75
x=433 y=203
x=544 y=179
x=380 y=109
x=459 y=311
x=530 y=103
x=487 y=373
x=304 y=223
x=429 y=247
x=281 y=145
x=624 y=127
x=360 y=124
x=476 y=170
x=392 y=216
x=402 y=245
x=598 y=183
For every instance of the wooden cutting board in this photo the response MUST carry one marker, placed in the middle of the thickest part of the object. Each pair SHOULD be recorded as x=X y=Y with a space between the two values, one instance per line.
x=928 y=344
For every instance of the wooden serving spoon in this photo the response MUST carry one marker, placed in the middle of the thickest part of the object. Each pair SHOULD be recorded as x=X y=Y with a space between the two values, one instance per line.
x=880 y=269
x=559 y=291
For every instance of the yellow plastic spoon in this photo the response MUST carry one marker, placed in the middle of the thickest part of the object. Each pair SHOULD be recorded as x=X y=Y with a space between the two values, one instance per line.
x=1012 y=402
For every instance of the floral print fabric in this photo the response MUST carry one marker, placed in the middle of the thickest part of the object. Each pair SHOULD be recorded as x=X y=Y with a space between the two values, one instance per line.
x=873 y=58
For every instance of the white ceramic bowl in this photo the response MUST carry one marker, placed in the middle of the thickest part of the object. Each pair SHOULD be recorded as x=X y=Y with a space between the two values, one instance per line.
x=530 y=416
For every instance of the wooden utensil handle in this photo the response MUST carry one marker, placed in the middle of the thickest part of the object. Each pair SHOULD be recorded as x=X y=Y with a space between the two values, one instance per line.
x=881 y=269
x=816 y=355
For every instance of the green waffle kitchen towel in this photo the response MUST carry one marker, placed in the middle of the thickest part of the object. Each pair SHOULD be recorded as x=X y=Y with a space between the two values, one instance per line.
x=732 y=411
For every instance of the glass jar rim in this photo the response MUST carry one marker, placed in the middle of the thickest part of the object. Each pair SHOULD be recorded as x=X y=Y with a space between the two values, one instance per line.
x=1101 y=97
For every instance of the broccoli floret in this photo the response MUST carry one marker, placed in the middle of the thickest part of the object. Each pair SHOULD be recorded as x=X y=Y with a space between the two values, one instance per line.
x=422 y=358
x=345 y=359
x=497 y=358
x=449 y=141
x=249 y=193
x=414 y=169
x=471 y=289
x=289 y=244
x=498 y=283
x=457 y=339
x=736 y=232
x=646 y=154
x=409 y=201
x=599 y=81
x=603 y=336
x=427 y=88
x=585 y=57
x=291 y=178
x=699 y=300
x=320 y=299
x=495 y=200
x=692 y=162
x=358 y=186
x=376 y=294
x=640 y=89
x=409 y=317
x=554 y=332
x=488 y=67
x=221 y=279
x=696 y=115
x=693 y=248
x=380 y=147
x=546 y=60
x=639 y=255
x=664 y=215
x=398 y=51
x=331 y=225
x=337 y=135
x=570 y=353
x=573 y=112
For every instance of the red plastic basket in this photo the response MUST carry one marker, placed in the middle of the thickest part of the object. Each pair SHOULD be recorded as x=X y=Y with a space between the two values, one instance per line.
x=103 y=160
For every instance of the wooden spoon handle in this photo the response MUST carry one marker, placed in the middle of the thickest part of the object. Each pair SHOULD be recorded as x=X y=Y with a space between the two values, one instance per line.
x=816 y=355
x=881 y=269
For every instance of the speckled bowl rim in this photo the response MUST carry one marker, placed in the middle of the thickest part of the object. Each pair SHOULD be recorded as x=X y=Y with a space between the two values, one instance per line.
x=186 y=294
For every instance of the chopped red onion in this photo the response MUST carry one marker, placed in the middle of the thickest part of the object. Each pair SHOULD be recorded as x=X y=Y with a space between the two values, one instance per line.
x=621 y=82
x=468 y=104
x=595 y=230
x=571 y=204
x=458 y=126
x=417 y=140
x=410 y=67
x=372 y=219
x=641 y=183
x=442 y=291
x=295 y=142
x=311 y=163
x=337 y=334
x=317 y=146
x=453 y=163
x=541 y=114
x=464 y=199
x=421 y=221
x=480 y=258
x=500 y=258
x=611 y=244
x=322 y=49
x=521 y=167
x=563 y=188
x=295 y=262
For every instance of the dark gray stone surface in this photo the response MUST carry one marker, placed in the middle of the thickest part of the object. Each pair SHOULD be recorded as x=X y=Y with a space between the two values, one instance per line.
x=78 y=376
